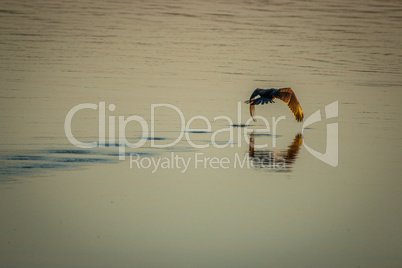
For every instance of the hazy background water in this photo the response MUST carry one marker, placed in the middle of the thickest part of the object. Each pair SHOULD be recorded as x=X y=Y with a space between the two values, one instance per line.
x=67 y=206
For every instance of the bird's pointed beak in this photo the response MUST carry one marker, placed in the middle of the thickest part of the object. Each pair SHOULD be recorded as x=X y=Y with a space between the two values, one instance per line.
x=252 y=110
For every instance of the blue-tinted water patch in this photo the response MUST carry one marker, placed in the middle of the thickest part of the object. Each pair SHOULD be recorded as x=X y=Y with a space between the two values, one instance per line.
x=111 y=145
x=84 y=160
x=156 y=138
x=239 y=125
x=7 y=173
x=26 y=157
x=68 y=151
x=41 y=166
x=15 y=169
x=198 y=131
x=24 y=163
x=41 y=161
x=265 y=134
x=131 y=153
x=179 y=149
x=37 y=162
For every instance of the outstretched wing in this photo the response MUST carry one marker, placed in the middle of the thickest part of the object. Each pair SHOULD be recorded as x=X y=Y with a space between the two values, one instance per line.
x=255 y=93
x=288 y=96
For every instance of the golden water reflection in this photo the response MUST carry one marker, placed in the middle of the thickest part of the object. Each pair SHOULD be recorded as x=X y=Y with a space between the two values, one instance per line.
x=278 y=160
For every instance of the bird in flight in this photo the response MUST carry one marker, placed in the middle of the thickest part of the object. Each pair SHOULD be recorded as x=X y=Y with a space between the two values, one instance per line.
x=262 y=96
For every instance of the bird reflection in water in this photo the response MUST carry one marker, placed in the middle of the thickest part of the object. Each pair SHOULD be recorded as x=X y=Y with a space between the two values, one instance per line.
x=279 y=160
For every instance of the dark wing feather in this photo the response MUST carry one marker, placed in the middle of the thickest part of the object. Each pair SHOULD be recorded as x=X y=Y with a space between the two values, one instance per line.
x=288 y=96
x=253 y=95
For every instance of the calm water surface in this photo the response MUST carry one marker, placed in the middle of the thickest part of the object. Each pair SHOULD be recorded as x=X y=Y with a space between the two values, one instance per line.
x=68 y=206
